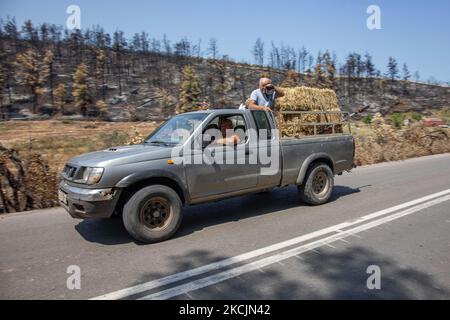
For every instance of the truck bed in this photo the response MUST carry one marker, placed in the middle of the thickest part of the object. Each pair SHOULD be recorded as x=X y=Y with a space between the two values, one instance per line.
x=295 y=152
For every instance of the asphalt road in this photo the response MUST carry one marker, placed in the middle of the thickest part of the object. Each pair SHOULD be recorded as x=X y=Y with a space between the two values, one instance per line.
x=394 y=217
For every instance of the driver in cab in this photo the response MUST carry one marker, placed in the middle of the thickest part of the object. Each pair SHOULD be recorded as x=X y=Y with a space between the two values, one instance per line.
x=229 y=137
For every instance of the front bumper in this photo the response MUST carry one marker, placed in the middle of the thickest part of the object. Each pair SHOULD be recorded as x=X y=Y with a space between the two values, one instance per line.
x=83 y=203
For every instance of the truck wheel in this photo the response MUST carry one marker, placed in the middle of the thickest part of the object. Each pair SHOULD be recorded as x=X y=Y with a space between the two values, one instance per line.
x=318 y=186
x=152 y=214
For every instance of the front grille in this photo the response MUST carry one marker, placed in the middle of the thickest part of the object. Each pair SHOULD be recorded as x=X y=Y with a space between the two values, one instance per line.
x=69 y=171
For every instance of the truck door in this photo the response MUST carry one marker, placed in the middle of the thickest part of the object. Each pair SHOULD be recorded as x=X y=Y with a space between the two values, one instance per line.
x=230 y=169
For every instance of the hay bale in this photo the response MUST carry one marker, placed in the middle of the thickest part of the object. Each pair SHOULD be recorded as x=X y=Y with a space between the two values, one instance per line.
x=306 y=99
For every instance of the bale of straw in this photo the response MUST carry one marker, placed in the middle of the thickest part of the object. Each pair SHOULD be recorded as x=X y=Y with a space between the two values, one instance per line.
x=306 y=99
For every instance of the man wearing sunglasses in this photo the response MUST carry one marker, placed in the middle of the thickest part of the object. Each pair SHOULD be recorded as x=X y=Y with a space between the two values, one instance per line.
x=264 y=97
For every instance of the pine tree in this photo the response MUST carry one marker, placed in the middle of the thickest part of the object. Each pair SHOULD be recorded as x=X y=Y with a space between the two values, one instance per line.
x=369 y=66
x=213 y=49
x=222 y=84
x=406 y=75
x=392 y=69
x=319 y=79
x=349 y=67
x=145 y=45
x=405 y=72
x=331 y=74
x=360 y=66
x=310 y=64
x=75 y=42
x=30 y=33
x=182 y=48
x=59 y=93
x=3 y=114
x=190 y=96
x=100 y=71
x=31 y=73
x=291 y=80
x=119 y=46
x=302 y=56
x=166 y=45
x=48 y=65
x=102 y=108
x=45 y=33
x=80 y=90
x=12 y=32
x=258 y=52
x=330 y=80
x=136 y=44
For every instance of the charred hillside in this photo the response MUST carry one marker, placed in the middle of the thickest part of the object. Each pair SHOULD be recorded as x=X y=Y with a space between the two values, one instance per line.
x=72 y=77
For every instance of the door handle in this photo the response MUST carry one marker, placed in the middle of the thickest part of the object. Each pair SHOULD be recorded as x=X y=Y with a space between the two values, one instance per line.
x=248 y=152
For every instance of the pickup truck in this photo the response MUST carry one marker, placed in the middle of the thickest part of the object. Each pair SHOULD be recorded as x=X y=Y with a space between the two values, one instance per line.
x=148 y=184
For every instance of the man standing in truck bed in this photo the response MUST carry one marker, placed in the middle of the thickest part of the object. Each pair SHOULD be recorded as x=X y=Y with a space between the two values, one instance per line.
x=264 y=97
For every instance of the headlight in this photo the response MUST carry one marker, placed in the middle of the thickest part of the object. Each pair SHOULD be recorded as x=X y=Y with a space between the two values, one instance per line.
x=90 y=175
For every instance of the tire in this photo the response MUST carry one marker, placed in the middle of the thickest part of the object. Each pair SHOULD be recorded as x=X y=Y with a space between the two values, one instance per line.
x=152 y=214
x=318 y=185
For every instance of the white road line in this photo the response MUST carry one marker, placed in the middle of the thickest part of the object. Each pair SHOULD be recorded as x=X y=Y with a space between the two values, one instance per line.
x=190 y=297
x=276 y=258
x=123 y=293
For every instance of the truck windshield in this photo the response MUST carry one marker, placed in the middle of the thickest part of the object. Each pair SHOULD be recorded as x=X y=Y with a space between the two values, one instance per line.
x=176 y=130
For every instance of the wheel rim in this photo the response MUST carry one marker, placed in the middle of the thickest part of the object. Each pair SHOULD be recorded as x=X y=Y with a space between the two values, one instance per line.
x=155 y=214
x=320 y=183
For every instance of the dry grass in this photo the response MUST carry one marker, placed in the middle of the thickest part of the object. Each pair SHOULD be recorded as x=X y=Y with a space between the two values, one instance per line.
x=32 y=153
x=384 y=143
x=58 y=141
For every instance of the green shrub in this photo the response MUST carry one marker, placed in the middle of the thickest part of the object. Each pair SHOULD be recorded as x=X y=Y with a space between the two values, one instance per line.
x=368 y=119
x=416 y=116
x=397 y=119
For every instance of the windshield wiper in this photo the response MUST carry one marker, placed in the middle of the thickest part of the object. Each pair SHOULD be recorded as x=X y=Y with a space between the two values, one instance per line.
x=158 y=142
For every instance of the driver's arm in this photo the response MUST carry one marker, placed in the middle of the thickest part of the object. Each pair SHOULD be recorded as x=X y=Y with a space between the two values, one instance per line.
x=234 y=139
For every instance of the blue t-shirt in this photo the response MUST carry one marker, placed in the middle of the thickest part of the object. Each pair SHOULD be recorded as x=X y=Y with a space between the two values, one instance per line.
x=263 y=99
